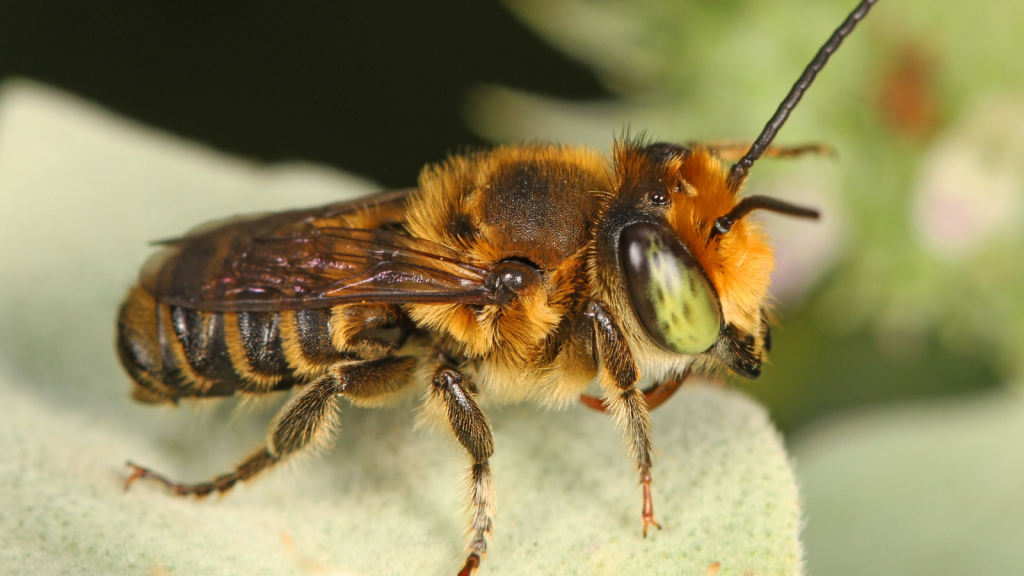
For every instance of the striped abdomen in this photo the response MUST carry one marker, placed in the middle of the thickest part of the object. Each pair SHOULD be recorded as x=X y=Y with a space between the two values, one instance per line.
x=173 y=352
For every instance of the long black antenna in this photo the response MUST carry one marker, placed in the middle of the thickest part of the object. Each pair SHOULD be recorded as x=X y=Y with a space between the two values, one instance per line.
x=739 y=170
x=724 y=224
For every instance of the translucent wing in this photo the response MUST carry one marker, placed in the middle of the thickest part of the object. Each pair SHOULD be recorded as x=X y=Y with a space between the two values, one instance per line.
x=349 y=252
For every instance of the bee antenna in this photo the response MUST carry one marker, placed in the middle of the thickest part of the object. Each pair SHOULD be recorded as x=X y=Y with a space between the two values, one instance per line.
x=751 y=203
x=739 y=170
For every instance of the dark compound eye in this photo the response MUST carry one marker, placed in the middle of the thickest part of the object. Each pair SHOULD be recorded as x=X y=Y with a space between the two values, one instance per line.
x=658 y=196
x=671 y=296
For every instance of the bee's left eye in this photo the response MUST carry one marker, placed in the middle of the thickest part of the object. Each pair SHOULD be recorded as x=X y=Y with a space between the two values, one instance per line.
x=668 y=289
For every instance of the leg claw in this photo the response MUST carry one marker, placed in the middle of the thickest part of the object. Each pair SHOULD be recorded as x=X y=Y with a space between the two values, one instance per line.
x=648 y=512
x=198 y=490
x=137 y=472
x=472 y=563
x=649 y=521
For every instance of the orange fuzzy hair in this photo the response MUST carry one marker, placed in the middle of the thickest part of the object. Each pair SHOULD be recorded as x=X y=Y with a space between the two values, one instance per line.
x=455 y=206
x=739 y=263
x=458 y=186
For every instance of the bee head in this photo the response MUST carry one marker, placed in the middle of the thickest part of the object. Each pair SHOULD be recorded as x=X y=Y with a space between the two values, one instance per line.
x=689 y=265
x=685 y=282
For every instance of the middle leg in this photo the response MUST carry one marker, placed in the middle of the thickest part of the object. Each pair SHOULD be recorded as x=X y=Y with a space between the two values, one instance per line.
x=654 y=396
x=453 y=394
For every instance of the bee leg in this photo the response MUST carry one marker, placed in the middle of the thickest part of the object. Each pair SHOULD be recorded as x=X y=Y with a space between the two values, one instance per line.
x=654 y=396
x=370 y=330
x=660 y=393
x=305 y=417
x=453 y=391
x=258 y=461
x=305 y=421
x=622 y=399
x=732 y=150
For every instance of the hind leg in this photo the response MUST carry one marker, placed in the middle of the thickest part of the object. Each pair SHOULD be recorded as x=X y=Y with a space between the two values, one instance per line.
x=307 y=420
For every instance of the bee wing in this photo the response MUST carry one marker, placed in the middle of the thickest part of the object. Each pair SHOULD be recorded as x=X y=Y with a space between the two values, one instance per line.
x=312 y=259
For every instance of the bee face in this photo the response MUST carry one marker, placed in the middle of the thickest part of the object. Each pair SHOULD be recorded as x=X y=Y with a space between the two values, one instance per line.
x=685 y=286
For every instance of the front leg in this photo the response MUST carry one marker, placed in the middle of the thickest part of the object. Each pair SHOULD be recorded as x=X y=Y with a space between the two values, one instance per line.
x=625 y=402
x=452 y=393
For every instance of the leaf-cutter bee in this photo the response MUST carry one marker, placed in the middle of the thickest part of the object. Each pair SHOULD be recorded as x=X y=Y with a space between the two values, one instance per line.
x=519 y=273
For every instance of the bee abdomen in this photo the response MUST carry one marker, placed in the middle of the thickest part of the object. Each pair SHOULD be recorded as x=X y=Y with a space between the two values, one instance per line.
x=194 y=346
x=254 y=344
x=307 y=340
x=173 y=352
x=138 y=345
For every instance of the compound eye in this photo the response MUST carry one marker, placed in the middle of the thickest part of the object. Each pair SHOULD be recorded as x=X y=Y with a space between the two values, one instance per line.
x=668 y=289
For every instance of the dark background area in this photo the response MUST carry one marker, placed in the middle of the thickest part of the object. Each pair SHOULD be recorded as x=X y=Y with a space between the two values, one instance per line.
x=373 y=88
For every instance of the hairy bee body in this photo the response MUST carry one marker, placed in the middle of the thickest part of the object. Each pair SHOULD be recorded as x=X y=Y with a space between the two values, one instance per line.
x=501 y=276
x=520 y=273
x=536 y=207
x=535 y=210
